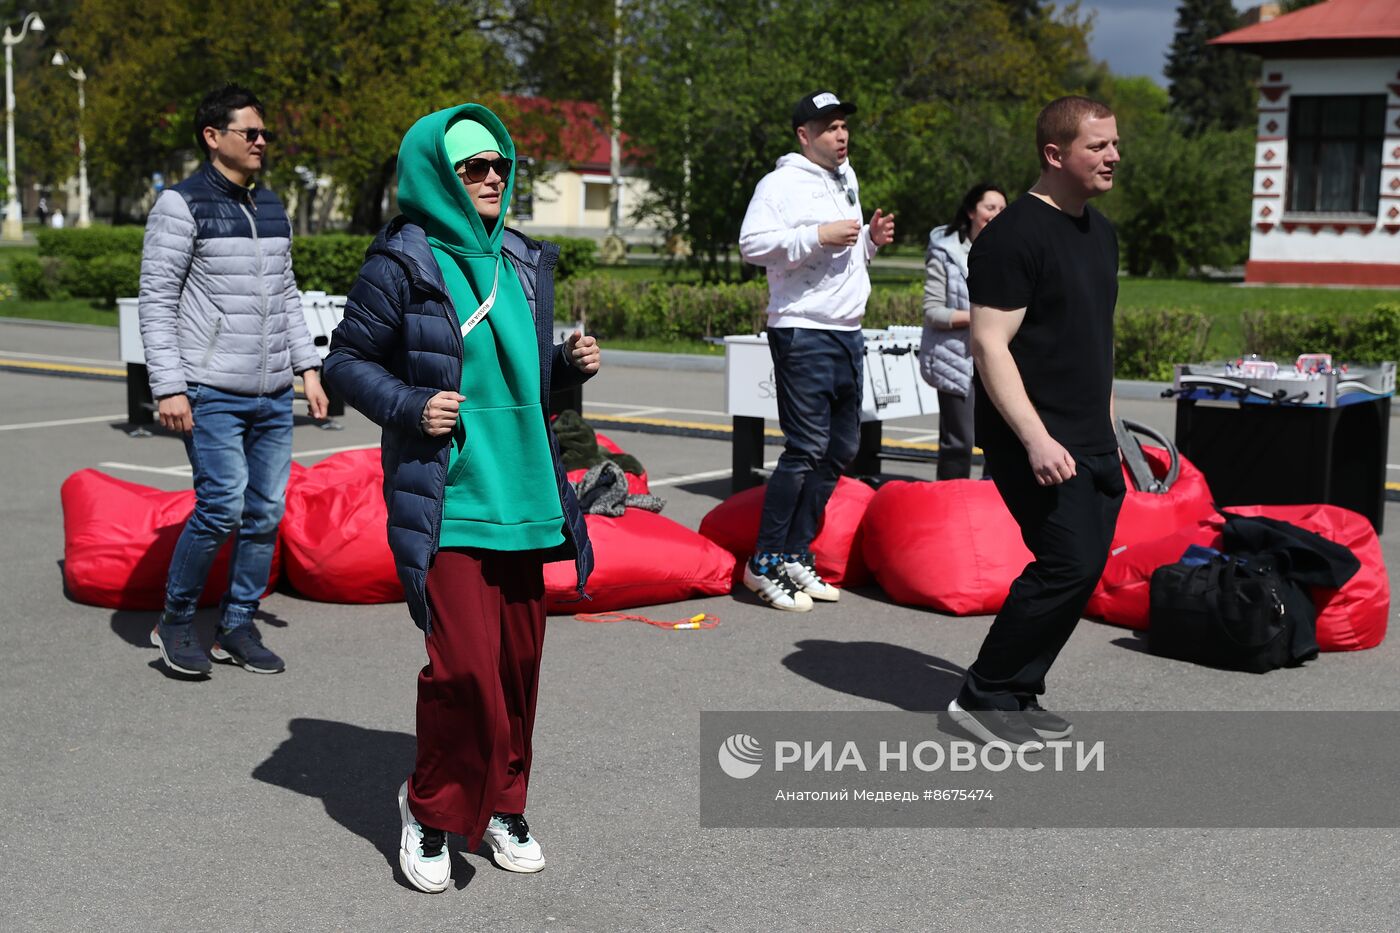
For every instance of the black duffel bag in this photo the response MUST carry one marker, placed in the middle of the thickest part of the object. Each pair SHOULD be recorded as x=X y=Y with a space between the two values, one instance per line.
x=1226 y=613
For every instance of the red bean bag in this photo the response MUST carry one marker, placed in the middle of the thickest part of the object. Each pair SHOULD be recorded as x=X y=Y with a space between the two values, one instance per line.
x=1148 y=516
x=118 y=538
x=335 y=532
x=733 y=525
x=1122 y=594
x=1354 y=616
x=950 y=545
x=640 y=559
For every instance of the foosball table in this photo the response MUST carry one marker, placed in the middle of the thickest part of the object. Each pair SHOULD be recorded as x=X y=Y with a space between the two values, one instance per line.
x=1288 y=433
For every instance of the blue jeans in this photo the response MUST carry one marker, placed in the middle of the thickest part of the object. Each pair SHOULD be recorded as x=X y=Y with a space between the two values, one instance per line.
x=241 y=452
x=819 y=377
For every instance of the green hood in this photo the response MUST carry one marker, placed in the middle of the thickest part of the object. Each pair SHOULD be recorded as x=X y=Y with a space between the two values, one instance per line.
x=432 y=196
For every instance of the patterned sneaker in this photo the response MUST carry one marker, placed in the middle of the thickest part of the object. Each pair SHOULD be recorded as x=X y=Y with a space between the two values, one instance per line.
x=422 y=851
x=801 y=569
x=180 y=649
x=512 y=846
x=764 y=575
x=243 y=645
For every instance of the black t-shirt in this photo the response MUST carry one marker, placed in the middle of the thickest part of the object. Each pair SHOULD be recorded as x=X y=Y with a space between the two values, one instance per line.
x=1064 y=271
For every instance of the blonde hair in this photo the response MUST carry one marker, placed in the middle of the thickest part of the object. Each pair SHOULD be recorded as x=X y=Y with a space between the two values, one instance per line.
x=1059 y=122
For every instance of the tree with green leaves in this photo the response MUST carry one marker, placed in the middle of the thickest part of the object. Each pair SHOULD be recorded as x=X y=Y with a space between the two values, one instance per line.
x=342 y=79
x=564 y=47
x=710 y=85
x=1210 y=86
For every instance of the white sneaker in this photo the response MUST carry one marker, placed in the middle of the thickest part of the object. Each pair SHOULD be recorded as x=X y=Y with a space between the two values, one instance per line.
x=512 y=846
x=776 y=590
x=428 y=873
x=807 y=580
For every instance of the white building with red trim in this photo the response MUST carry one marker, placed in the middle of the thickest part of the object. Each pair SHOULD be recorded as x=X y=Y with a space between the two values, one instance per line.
x=1327 y=162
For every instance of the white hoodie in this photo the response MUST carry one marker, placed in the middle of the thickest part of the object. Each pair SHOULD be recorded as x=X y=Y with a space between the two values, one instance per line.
x=809 y=285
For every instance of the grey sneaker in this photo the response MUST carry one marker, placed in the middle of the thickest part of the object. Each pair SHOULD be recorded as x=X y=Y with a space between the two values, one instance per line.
x=1046 y=724
x=180 y=649
x=997 y=726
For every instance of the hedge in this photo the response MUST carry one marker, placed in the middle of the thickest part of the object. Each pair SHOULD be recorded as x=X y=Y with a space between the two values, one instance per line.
x=88 y=242
x=96 y=262
x=104 y=277
x=1355 y=336
x=328 y=262
x=1146 y=345
x=576 y=254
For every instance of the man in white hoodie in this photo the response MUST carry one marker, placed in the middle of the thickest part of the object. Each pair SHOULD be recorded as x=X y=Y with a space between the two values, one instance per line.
x=804 y=227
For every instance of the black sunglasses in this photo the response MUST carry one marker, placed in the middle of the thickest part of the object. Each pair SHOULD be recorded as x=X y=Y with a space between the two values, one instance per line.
x=251 y=133
x=841 y=180
x=476 y=170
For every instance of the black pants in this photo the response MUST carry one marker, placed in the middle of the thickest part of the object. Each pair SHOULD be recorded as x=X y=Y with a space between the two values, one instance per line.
x=955 y=434
x=1068 y=529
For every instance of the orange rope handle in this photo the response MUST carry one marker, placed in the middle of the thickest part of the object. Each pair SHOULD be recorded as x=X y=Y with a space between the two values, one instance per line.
x=702 y=620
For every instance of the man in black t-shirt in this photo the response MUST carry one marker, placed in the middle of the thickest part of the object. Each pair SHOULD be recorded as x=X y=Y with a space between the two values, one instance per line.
x=1043 y=279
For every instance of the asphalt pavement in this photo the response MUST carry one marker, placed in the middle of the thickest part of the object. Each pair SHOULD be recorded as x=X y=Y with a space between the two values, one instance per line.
x=134 y=801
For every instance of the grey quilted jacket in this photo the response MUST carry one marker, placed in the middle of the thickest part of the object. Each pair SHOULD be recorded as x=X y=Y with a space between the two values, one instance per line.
x=945 y=352
x=219 y=302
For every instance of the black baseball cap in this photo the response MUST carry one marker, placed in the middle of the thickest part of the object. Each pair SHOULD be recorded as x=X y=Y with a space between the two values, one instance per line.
x=819 y=104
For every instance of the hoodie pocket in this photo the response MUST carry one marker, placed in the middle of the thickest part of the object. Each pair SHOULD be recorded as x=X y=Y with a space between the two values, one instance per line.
x=462 y=447
x=504 y=471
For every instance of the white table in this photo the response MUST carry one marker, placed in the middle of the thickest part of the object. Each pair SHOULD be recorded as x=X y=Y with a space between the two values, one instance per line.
x=323 y=312
x=892 y=389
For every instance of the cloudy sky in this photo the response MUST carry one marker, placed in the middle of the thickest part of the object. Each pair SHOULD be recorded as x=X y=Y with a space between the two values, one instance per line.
x=1133 y=35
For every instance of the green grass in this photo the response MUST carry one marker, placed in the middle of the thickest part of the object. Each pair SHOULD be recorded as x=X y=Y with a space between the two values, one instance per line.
x=72 y=311
x=698 y=347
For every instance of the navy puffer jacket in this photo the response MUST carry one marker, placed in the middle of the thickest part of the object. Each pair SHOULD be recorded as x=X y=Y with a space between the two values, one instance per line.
x=399 y=345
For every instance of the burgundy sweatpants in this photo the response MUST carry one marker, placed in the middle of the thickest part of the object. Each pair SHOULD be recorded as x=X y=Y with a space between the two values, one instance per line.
x=476 y=696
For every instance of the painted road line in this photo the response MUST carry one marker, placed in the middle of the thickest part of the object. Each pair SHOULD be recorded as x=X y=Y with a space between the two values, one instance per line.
x=93 y=419
x=642 y=412
x=711 y=430
x=696 y=477
x=142 y=468
x=57 y=359
x=61 y=369
x=682 y=411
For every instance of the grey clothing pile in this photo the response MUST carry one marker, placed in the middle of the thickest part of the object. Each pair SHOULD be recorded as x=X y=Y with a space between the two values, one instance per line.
x=603 y=491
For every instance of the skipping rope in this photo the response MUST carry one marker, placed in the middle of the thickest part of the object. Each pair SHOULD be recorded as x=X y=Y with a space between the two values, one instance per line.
x=701 y=620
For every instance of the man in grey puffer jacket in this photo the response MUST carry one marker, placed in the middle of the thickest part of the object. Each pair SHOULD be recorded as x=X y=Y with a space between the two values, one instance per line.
x=224 y=333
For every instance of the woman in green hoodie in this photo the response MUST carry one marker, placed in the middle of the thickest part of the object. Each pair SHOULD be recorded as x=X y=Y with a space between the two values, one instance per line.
x=446 y=342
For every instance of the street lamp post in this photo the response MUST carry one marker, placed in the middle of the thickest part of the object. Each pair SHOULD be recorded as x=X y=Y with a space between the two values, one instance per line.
x=77 y=74
x=12 y=229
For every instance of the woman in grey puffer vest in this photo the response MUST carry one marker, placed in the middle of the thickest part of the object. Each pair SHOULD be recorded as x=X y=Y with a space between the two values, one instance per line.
x=945 y=355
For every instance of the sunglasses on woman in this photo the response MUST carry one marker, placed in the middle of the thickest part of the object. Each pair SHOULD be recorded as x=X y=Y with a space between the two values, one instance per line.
x=476 y=170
